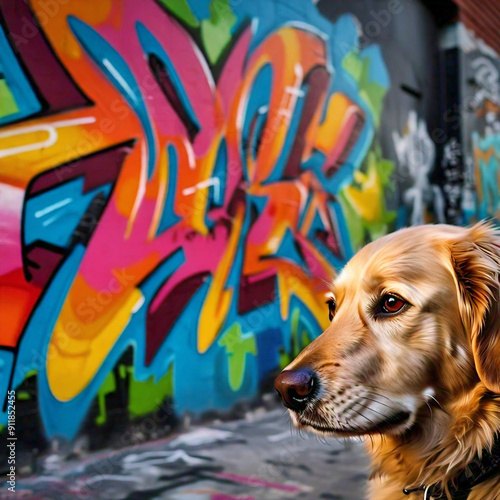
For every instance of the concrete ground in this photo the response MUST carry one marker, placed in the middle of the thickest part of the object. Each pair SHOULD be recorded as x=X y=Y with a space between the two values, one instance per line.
x=257 y=458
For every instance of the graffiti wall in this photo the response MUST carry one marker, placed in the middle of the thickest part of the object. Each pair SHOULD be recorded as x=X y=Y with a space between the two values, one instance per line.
x=178 y=182
x=481 y=130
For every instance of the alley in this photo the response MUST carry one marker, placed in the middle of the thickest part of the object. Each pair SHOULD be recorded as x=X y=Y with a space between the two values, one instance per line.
x=257 y=458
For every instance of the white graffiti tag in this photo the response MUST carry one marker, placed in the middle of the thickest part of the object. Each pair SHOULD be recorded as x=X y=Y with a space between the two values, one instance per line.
x=416 y=154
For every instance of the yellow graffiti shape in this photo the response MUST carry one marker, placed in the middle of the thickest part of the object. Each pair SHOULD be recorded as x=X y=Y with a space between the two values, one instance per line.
x=218 y=300
x=77 y=349
x=339 y=111
x=294 y=281
x=366 y=200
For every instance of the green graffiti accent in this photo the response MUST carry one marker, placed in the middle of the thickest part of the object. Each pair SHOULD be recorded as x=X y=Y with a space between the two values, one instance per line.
x=145 y=396
x=2 y=428
x=216 y=31
x=304 y=338
x=295 y=329
x=8 y=105
x=370 y=91
x=285 y=358
x=108 y=386
x=182 y=11
x=237 y=346
x=353 y=65
x=23 y=395
x=363 y=201
x=300 y=338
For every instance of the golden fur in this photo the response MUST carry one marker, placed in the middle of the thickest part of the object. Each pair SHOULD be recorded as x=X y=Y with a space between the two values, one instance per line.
x=423 y=384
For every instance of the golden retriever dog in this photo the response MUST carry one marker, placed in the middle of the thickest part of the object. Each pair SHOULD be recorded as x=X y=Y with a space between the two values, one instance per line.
x=411 y=361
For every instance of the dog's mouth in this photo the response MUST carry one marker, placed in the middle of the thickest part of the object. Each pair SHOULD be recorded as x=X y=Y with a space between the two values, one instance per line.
x=389 y=423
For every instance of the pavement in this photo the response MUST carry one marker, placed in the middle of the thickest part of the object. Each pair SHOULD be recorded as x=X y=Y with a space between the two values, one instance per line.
x=260 y=457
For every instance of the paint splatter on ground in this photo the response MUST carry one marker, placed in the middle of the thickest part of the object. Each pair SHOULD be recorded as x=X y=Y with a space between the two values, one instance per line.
x=257 y=458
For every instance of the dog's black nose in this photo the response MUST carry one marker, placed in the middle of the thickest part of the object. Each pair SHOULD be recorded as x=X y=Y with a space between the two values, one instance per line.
x=295 y=388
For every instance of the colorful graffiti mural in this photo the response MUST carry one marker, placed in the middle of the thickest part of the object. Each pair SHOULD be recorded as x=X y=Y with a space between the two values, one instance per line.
x=482 y=128
x=487 y=168
x=179 y=179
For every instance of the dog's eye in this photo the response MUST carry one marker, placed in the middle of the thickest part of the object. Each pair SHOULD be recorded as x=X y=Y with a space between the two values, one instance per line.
x=391 y=304
x=331 y=308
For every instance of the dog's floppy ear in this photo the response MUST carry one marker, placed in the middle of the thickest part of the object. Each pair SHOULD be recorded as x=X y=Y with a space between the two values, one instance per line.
x=476 y=262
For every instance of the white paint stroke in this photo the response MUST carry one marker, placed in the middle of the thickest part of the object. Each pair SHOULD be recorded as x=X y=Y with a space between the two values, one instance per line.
x=138 y=304
x=136 y=462
x=119 y=78
x=51 y=208
x=51 y=130
x=201 y=437
x=295 y=91
x=111 y=477
x=212 y=181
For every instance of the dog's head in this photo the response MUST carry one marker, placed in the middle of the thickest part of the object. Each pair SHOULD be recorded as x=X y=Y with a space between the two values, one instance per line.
x=414 y=319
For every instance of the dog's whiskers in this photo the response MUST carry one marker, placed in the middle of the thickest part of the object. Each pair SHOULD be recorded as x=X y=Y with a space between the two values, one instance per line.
x=371 y=409
x=369 y=420
x=439 y=404
x=377 y=393
x=430 y=409
x=379 y=402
